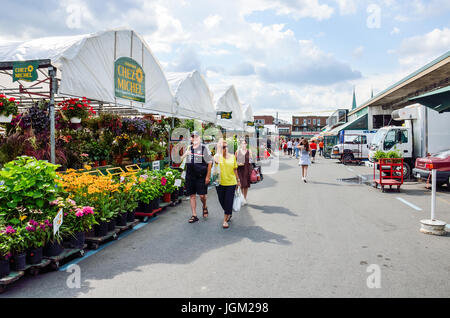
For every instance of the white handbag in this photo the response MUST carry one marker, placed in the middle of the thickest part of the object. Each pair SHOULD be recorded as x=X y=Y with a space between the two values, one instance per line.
x=237 y=201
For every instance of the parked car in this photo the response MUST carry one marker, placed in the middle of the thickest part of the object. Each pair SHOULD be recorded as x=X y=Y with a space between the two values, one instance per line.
x=440 y=161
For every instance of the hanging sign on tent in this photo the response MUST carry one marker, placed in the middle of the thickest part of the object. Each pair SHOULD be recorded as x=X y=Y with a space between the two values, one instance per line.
x=260 y=126
x=129 y=80
x=251 y=123
x=25 y=71
x=225 y=115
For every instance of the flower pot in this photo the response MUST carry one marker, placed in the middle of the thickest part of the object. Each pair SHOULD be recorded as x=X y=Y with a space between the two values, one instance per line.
x=34 y=255
x=166 y=197
x=112 y=225
x=19 y=261
x=53 y=249
x=75 y=120
x=5 y=119
x=174 y=196
x=5 y=268
x=101 y=229
x=78 y=240
x=121 y=219
x=130 y=216
x=96 y=163
x=181 y=191
x=144 y=207
x=155 y=204
x=103 y=163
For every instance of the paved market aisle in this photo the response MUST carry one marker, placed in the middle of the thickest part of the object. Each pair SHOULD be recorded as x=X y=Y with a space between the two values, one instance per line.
x=293 y=240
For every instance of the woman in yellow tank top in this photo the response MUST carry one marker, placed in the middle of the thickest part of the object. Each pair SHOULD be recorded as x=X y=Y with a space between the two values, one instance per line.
x=228 y=180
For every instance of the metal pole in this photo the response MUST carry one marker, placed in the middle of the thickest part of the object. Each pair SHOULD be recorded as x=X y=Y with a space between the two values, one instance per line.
x=52 y=74
x=433 y=194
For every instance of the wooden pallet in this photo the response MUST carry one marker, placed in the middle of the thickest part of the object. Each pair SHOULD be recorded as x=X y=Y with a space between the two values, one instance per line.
x=94 y=241
x=147 y=215
x=34 y=269
x=129 y=225
x=11 y=278
x=56 y=261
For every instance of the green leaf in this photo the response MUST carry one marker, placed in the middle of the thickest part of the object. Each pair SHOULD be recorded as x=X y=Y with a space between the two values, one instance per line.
x=40 y=203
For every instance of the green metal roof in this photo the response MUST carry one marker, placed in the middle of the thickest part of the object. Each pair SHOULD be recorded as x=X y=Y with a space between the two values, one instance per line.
x=351 y=125
x=439 y=100
x=437 y=60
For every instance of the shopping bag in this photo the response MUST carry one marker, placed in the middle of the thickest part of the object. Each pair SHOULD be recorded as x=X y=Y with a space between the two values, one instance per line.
x=254 y=176
x=237 y=201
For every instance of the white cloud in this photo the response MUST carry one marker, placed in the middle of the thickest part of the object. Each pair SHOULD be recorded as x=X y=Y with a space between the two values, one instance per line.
x=419 y=50
x=212 y=21
x=347 y=7
x=358 y=52
x=395 y=30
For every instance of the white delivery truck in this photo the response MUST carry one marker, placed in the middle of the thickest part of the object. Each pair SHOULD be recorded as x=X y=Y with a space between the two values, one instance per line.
x=425 y=132
x=353 y=145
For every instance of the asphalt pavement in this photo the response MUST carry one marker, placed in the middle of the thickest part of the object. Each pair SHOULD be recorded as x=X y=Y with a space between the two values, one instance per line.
x=324 y=238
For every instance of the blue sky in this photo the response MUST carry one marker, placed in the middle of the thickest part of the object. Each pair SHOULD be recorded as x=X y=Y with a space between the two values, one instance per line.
x=289 y=56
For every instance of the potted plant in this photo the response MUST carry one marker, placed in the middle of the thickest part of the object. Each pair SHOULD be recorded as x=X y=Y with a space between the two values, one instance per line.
x=36 y=236
x=75 y=110
x=5 y=254
x=18 y=244
x=8 y=108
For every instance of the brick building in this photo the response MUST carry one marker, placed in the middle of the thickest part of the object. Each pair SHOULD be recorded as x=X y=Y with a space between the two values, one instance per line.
x=308 y=123
x=264 y=120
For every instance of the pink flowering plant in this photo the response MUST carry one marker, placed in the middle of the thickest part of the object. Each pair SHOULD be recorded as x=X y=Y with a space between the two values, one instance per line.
x=76 y=218
x=37 y=232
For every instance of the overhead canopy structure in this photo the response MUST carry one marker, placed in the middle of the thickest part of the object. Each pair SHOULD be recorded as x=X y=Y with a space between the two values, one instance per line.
x=438 y=100
x=193 y=97
x=227 y=100
x=359 y=123
x=115 y=67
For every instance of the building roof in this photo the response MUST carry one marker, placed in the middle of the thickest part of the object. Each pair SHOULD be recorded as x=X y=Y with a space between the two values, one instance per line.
x=432 y=75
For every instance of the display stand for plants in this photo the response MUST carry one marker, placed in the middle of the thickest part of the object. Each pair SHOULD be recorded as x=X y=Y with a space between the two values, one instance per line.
x=129 y=225
x=390 y=173
x=147 y=215
x=34 y=269
x=67 y=254
x=11 y=278
x=95 y=241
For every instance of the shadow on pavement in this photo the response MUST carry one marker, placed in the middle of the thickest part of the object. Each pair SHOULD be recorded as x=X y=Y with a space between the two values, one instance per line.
x=267 y=209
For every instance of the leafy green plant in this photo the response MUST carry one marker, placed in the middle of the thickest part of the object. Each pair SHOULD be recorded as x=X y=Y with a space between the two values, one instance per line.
x=29 y=183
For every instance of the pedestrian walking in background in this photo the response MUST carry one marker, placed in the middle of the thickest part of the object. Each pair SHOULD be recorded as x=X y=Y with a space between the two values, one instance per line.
x=321 y=148
x=305 y=161
x=228 y=180
x=198 y=174
x=284 y=146
x=296 y=150
x=313 y=147
x=289 y=147
x=243 y=156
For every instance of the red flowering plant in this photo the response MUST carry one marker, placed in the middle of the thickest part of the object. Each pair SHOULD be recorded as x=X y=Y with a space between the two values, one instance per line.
x=8 y=106
x=74 y=107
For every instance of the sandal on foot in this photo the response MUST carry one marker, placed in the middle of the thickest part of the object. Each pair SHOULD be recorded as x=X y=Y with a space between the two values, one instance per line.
x=229 y=218
x=225 y=225
x=193 y=219
x=205 y=212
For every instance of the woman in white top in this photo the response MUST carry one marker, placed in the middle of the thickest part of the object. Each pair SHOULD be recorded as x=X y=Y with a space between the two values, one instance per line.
x=305 y=161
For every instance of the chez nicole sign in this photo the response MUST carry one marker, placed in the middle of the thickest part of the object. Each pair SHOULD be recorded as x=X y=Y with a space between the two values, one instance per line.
x=129 y=80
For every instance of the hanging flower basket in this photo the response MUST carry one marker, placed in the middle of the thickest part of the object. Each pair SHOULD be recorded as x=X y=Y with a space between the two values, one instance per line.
x=5 y=119
x=75 y=120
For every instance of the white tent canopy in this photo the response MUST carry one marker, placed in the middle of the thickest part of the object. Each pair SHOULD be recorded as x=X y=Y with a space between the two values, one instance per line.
x=248 y=116
x=227 y=100
x=192 y=95
x=85 y=65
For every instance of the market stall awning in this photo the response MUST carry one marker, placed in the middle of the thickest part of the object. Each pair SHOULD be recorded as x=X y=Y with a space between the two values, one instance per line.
x=438 y=100
x=248 y=116
x=114 y=66
x=359 y=123
x=227 y=100
x=192 y=95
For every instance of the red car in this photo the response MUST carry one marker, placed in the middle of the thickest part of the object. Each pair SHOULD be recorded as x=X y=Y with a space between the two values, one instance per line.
x=440 y=161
